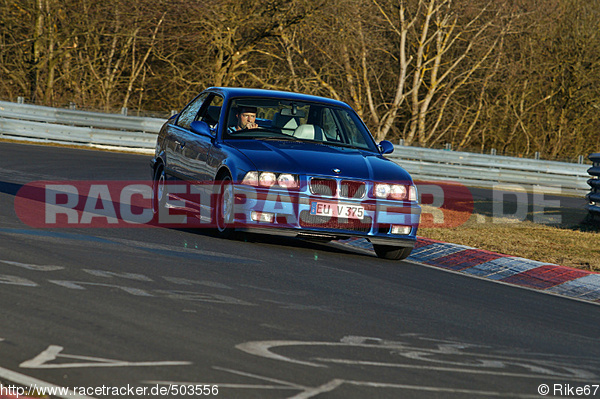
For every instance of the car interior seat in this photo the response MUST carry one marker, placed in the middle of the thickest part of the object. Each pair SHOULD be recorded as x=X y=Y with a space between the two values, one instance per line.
x=212 y=115
x=309 y=132
x=287 y=124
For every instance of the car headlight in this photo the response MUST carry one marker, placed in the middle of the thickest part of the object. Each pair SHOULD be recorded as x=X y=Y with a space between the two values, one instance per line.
x=251 y=178
x=267 y=179
x=382 y=190
x=399 y=192
x=287 y=180
x=270 y=179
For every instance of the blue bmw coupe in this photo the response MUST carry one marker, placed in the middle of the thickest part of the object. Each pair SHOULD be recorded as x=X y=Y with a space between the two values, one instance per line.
x=282 y=163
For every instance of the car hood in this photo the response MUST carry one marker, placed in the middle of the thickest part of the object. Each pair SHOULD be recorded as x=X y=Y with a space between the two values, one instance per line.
x=316 y=159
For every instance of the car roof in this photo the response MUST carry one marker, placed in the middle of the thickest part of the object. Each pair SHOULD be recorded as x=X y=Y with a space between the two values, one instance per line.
x=232 y=92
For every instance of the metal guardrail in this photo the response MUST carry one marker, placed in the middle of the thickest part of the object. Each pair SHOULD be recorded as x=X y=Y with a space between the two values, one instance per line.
x=594 y=195
x=44 y=124
x=66 y=126
x=481 y=170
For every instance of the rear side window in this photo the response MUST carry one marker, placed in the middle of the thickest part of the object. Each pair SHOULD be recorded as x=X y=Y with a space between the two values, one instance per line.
x=188 y=115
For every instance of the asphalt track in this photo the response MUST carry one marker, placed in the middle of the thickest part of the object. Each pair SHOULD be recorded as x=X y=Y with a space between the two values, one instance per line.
x=261 y=317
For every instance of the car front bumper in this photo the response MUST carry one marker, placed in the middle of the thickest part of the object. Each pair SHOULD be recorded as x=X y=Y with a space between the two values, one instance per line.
x=288 y=213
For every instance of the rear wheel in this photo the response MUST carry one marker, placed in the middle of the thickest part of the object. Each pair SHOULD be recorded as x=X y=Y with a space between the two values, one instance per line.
x=392 y=253
x=224 y=210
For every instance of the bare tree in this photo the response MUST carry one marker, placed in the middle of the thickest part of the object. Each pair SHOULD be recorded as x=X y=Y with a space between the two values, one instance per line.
x=442 y=53
x=14 y=48
x=545 y=97
x=429 y=57
x=513 y=75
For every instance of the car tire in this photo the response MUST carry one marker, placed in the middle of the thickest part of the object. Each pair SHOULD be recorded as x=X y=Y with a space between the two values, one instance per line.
x=224 y=210
x=391 y=253
x=159 y=194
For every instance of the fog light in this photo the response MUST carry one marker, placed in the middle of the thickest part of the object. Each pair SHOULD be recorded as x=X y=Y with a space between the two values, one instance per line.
x=400 y=230
x=262 y=217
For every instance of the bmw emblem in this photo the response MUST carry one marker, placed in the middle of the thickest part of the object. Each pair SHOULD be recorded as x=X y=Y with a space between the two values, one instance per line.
x=336 y=170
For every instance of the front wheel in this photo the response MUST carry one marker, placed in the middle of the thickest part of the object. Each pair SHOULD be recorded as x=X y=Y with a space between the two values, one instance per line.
x=159 y=194
x=224 y=210
x=392 y=253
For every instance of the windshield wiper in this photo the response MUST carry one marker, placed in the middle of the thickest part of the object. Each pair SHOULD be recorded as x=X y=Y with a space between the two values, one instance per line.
x=282 y=137
x=258 y=131
x=339 y=144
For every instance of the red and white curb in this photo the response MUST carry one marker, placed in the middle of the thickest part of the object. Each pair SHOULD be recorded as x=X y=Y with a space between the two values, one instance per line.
x=547 y=277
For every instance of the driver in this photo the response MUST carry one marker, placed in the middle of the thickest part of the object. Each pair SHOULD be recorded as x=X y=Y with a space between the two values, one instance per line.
x=246 y=119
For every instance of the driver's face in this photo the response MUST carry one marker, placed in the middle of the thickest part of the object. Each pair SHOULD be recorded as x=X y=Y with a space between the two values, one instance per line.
x=246 y=118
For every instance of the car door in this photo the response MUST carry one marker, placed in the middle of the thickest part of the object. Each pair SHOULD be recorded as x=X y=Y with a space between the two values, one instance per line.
x=177 y=137
x=194 y=157
x=198 y=146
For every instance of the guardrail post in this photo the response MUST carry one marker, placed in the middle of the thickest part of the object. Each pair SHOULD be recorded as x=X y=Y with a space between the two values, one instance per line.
x=593 y=196
x=20 y=100
x=493 y=151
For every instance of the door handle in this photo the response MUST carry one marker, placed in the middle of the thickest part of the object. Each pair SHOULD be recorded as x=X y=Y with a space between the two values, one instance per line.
x=180 y=143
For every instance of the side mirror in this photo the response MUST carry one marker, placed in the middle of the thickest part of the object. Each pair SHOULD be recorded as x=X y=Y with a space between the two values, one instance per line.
x=386 y=147
x=201 y=127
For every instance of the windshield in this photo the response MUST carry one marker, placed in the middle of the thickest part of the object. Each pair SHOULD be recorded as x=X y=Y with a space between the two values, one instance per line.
x=273 y=119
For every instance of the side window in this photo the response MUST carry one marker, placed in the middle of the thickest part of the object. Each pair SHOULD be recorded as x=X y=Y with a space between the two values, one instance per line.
x=355 y=137
x=330 y=126
x=211 y=111
x=189 y=113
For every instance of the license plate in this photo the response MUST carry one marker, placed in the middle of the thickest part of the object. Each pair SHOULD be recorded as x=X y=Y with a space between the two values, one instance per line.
x=337 y=210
